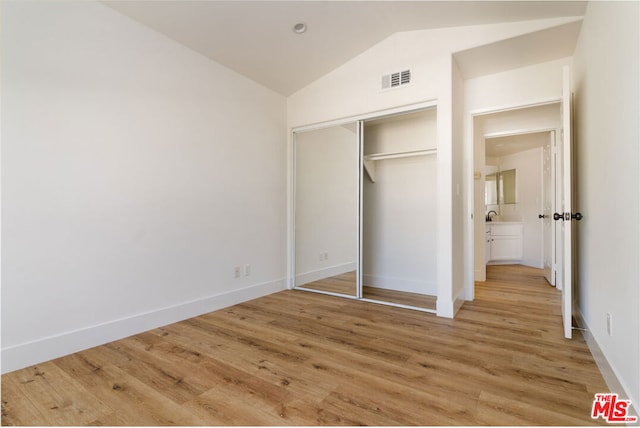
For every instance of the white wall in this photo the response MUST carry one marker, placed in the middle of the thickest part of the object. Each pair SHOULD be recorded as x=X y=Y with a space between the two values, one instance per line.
x=461 y=163
x=354 y=89
x=327 y=164
x=526 y=85
x=135 y=175
x=606 y=162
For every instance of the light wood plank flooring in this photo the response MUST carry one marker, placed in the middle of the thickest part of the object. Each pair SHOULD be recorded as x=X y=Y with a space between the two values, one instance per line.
x=346 y=284
x=400 y=297
x=300 y=358
x=341 y=284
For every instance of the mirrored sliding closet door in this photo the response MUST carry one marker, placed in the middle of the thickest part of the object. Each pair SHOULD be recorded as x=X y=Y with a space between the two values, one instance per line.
x=326 y=201
x=365 y=203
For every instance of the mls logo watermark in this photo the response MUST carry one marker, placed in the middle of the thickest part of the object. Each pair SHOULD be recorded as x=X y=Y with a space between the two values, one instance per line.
x=612 y=410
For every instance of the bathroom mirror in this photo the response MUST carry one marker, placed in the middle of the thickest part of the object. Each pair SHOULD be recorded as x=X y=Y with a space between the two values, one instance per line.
x=491 y=190
x=326 y=200
x=507 y=187
x=500 y=188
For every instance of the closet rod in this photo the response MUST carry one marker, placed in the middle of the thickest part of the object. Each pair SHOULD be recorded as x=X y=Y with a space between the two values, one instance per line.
x=392 y=155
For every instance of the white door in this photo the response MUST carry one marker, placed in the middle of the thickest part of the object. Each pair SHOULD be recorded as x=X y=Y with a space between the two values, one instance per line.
x=548 y=203
x=565 y=152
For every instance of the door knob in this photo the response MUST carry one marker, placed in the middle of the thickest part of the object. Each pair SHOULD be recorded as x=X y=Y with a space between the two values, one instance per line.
x=567 y=216
x=540 y=215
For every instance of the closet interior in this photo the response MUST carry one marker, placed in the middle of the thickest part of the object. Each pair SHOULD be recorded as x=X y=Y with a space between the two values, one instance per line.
x=365 y=209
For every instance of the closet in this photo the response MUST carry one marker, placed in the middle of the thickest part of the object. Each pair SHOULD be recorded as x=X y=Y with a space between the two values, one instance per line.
x=364 y=199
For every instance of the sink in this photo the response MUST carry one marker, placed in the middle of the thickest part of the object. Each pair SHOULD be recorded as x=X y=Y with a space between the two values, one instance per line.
x=505 y=219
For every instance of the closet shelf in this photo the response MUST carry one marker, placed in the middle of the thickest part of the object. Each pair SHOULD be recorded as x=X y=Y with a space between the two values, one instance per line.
x=370 y=165
x=393 y=155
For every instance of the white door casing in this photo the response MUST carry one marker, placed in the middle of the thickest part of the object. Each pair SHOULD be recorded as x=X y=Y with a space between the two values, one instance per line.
x=548 y=206
x=567 y=256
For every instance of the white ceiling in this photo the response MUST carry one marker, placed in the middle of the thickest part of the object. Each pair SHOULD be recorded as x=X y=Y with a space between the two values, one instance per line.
x=255 y=38
x=508 y=145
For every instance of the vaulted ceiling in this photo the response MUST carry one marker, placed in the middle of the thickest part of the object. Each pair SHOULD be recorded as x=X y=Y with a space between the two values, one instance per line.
x=256 y=38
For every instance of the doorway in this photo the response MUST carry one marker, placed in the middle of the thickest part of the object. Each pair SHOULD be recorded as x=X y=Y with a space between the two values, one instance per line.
x=519 y=139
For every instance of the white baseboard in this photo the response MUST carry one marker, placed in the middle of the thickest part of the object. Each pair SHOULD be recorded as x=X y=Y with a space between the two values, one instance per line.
x=401 y=284
x=503 y=262
x=523 y=262
x=608 y=373
x=307 y=277
x=533 y=263
x=45 y=349
x=459 y=301
x=449 y=308
x=445 y=308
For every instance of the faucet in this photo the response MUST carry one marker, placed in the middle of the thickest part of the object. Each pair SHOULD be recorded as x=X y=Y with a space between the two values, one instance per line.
x=488 y=218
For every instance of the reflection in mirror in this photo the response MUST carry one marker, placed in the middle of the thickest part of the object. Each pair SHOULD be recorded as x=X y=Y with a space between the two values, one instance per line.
x=326 y=209
x=500 y=188
x=507 y=186
x=491 y=190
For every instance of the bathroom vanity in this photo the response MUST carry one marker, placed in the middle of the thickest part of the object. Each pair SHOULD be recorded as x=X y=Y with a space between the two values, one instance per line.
x=503 y=242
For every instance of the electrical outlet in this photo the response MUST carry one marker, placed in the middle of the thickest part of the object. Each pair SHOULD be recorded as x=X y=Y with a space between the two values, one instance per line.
x=326 y=255
x=236 y=272
x=320 y=256
x=247 y=270
x=609 y=324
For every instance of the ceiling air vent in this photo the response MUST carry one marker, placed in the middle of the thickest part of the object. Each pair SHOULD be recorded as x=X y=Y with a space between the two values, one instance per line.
x=395 y=80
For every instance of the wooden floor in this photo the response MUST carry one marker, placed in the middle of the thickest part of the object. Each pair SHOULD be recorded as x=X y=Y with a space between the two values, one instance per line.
x=300 y=358
x=341 y=284
x=346 y=284
x=399 y=297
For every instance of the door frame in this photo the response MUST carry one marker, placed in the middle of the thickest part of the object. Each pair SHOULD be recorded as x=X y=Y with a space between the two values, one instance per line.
x=567 y=204
x=548 y=212
x=472 y=176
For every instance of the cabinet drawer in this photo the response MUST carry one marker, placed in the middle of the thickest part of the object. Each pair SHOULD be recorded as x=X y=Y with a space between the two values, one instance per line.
x=506 y=229
x=506 y=248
